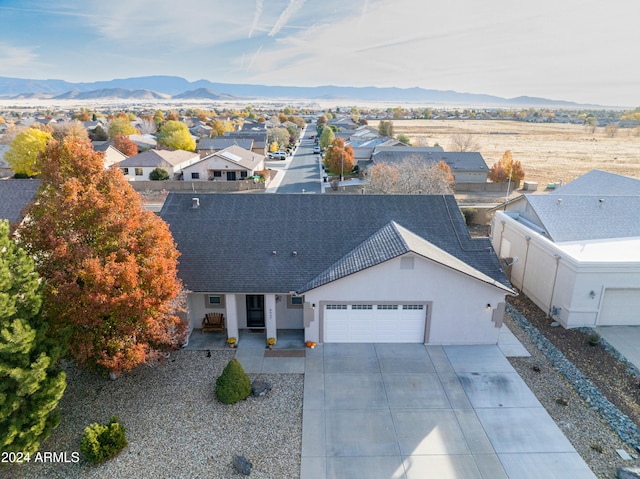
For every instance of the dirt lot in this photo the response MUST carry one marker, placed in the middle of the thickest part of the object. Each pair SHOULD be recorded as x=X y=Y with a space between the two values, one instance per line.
x=549 y=152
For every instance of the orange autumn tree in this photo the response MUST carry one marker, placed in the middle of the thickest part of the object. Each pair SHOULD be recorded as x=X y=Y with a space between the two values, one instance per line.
x=110 y=265
x=338 y=158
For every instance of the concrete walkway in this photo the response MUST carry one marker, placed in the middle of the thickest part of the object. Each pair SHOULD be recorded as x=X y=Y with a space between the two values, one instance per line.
x=412 y=411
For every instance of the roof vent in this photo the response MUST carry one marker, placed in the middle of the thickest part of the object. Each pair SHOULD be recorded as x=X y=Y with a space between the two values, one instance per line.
x=195 y=202
x=559 y=200
x=601 y=201
x=294 y=253
x=274 y=253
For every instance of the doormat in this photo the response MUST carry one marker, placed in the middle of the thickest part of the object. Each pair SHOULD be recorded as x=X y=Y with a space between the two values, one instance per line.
x=284 y=353
x=256 y=331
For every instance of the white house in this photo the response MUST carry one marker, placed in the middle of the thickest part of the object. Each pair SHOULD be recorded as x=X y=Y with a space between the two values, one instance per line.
x=576 y=252
x=345 y=268
x=230 y=164
x=138 y=167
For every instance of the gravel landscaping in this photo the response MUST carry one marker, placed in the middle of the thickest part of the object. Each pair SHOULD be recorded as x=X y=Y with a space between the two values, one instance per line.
x=175 y=425
x=569 y=394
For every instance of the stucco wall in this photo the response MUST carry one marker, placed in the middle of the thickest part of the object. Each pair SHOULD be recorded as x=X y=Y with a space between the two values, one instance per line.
x=458 y=315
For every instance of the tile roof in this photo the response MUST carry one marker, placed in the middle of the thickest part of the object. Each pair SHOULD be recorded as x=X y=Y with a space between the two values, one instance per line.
x=15 y=195
x=278 y=243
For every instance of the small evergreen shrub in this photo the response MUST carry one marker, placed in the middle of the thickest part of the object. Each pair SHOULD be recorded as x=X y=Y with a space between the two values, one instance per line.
x=159 y=174
x=593 y=339
x=103 y=441
x=233 y=385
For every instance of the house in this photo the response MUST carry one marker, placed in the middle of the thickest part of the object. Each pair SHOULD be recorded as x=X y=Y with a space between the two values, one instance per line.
x=210 y=145
x=575 y=252
x=230 y=164
x=15 y=195
x=138 y=167
x=364 y=133
x=466 y=167
x=144 y=142
x=111 y=154
x=345 y=268
x=5 y=169
x=259 y=139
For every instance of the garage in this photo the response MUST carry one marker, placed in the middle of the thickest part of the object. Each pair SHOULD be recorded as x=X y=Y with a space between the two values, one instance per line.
x=620 y=307
x=374 y=323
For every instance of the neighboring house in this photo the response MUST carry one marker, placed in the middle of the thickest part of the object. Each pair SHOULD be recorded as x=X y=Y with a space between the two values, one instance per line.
x=144 y=142
x=466 y=167
x=201 y=131
x=364 y=133
x=15 y=195
x=345 y=268
x=139 y=166
x=577 y=249
x=211 y=145
x=111 y=154
x=363 y=150
x=230 y=164
x=5 y=169
x=259 y=139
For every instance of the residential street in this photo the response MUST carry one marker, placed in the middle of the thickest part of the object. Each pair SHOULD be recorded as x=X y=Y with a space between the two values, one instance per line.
x=302 y=171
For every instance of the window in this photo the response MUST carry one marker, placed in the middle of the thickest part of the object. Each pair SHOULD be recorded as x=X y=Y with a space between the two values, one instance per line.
x=217 y=174
x=214 y=301
x=295 y=301
x=336 y=306
x=195 y=176
x=138 y=171
x=125 y=171
x=361 y=306
x=387 y=306
x=243 y=174
x=412 y=306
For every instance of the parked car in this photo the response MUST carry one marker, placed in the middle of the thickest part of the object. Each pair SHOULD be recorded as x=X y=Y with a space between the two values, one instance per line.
x=277 y=155
x=316 y=149
x=311 y=137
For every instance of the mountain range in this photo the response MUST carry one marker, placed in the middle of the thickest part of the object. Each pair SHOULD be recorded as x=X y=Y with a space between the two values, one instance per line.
x=173 y=87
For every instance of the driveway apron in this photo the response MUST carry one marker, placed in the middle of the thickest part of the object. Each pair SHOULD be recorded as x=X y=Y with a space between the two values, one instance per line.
x=387 y=411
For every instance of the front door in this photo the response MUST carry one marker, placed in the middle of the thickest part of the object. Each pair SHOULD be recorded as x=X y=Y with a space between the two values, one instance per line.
x=255 y=311
x=231 y=176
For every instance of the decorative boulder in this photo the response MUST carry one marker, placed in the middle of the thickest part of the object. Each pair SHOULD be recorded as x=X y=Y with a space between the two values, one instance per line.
x=260 y=388
x=242 y=465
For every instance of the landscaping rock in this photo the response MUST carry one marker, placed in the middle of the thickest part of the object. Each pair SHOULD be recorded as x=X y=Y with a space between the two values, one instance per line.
x=260 y=388
x=242 y=465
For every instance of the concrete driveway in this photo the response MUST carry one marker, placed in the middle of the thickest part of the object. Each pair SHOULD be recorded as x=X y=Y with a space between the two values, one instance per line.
x=413 y=411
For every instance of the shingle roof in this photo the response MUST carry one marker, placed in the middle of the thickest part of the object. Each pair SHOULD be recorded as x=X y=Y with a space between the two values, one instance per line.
x=222 y=142
x=391 y=241
x=279 y=243
x=587 y=217
x=602 y=183
x=15 y=195
x=158 y=158
x=457 y=161
x=238 y=156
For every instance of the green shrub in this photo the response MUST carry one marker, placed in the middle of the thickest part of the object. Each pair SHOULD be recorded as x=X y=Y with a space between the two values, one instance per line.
x=233 y=385
x=594 y=339
x=468 y=215
x=159 y=174
x=103 y=441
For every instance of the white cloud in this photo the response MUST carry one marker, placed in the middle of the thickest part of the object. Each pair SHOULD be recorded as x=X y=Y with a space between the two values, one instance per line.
x=17 y=58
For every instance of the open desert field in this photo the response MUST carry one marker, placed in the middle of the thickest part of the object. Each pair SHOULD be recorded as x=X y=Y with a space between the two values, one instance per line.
x=549 y=152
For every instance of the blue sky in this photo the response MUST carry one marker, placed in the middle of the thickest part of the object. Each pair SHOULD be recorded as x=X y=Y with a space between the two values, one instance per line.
x=576 y=50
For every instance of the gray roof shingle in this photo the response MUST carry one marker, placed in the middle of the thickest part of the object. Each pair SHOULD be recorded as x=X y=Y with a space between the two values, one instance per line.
x=15 y=195
x=457 y=161
x=280 y=243
x=603 y=183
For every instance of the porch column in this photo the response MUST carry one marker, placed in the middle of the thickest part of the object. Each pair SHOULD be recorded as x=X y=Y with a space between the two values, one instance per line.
x=232 y=316
x=270 y=315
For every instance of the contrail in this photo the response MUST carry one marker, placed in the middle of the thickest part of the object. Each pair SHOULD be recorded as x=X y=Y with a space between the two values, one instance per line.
x=256 y=16
x=293 y=7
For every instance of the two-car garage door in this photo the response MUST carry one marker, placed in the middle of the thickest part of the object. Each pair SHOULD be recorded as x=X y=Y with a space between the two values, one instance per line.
x=374 y=323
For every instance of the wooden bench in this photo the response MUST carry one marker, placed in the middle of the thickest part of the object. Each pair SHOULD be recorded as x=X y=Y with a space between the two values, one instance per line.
x=213 y=322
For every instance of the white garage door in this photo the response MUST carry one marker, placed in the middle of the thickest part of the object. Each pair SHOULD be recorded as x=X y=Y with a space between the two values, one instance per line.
x=374 y=323
x=620 y=307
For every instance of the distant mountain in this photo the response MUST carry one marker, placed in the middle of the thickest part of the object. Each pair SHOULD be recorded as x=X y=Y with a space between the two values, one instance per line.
x=112 y=93
x=162 y=87
x=203 y=93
